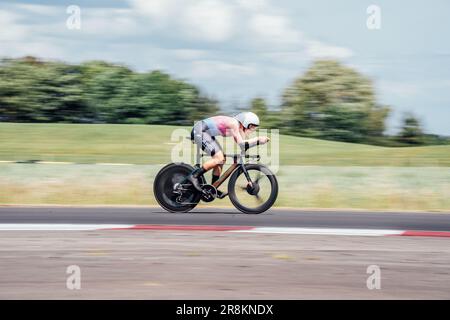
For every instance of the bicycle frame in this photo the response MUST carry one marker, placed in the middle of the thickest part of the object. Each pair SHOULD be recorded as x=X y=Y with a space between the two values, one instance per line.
x=225 y=175
x=237 y=162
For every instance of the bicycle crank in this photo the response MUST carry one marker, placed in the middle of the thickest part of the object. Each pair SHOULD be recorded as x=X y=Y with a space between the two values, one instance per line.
x=209 y=193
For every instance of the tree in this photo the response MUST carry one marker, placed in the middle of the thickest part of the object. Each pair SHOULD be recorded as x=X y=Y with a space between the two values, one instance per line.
x=332 y=101
x=155 y=97
x=269 y=118
x=37 y=91
x=32 y=90
x=259 y=107
x=102 y=84
x=411 y=132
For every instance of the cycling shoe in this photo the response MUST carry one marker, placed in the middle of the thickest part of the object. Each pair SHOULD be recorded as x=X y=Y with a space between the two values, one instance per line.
x=195 y=182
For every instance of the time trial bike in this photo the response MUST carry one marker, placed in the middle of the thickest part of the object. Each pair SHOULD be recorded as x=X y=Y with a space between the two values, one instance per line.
x=252 y=187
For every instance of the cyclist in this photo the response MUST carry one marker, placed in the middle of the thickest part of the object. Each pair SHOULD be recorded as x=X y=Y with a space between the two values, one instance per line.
x=204 y=132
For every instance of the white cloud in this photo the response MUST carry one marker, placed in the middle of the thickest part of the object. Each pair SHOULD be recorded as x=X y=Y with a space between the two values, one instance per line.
x=400 y=89
x=40 y=9
x=18 y=38
x=253 y=5
x=248 y=24
x=201 y=20
x=46 y=50
x=220 y=69
x=188 y=54
x=319 y=50
x=411 y=90
x=218 y=21
x=109 y=22
x=290 y=58
x=209 y=20
x=159 y=11
x=11 y=29
x=274 y=29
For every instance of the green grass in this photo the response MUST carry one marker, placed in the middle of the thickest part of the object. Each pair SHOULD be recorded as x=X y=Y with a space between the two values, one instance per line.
x=312 y=173
x=374 y=188
x=145 y=144
x=85 y=143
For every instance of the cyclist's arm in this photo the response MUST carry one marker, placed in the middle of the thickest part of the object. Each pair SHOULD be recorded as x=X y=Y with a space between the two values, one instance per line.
x=244 y=144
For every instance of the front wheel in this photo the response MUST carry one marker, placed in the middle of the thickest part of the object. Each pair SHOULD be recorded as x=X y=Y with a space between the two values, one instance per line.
x=256 y=197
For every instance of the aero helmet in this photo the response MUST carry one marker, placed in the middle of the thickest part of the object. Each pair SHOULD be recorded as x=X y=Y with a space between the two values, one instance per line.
x=247 y=118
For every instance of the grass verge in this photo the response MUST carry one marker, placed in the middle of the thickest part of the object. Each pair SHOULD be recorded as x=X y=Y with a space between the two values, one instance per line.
x=372 y=188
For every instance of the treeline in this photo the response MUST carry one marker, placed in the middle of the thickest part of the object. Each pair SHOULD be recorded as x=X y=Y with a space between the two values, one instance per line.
x=330 y=101
x=334 y=102
x=32 y=90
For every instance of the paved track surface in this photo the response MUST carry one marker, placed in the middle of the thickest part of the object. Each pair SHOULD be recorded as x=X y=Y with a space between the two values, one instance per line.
x=220 y=216
x=144 y=264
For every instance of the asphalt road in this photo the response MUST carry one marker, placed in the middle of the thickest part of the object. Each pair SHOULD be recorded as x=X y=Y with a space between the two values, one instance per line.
x=178 y=264
x=231 y=217
x=135 y=264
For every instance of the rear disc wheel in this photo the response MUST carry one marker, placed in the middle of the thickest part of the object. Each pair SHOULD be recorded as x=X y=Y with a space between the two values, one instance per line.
x=172 y=191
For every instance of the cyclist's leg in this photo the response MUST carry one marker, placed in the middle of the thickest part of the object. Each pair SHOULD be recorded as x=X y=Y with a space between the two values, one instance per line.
x=217 y=171
x=210 y=146
x=216 y=163
x=217 y=157
x=220 y=160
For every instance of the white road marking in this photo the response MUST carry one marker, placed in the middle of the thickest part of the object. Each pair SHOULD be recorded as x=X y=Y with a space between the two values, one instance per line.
x=323 y=231
x=275 y=230
x=65 y=162
x=58 y=227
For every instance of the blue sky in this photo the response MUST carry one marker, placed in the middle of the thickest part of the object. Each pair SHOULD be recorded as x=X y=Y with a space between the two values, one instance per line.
x=238 y=49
